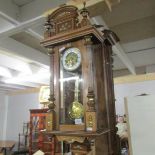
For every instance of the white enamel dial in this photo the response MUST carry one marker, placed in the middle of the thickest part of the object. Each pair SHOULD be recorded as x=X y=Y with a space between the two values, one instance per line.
x=71 y=59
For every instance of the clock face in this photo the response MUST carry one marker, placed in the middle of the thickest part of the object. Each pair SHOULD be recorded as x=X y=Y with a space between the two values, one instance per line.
x=71 y=59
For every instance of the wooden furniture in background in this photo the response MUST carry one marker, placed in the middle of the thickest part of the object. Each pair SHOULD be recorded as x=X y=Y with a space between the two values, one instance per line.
x=5 y=144
x=37 y=140
x=23 y=146
x=23 y=137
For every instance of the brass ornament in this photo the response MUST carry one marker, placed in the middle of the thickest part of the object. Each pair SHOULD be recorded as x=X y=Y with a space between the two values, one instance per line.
x=91 y=100
x=76 y=110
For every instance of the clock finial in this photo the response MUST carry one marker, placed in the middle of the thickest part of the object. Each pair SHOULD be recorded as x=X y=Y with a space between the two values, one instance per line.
x=48 y=28
x=84 y=3
x=85 y=14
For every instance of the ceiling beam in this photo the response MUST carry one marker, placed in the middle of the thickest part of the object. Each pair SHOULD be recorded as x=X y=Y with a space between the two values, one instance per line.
x=20 y=27
x=40 y=18
x=9 y=8
x=26 y=74
x=28 y=11
x=35 y=34
x=11 y=66
x=15 y=64
x=5 y=72
x=11 y=86
x=27 y=84
x=47 y=7
x=8 y=18
x=44 y=81
x=110 y=3
x=139 y=45
x=134 y=78
x=31 y=55
x=7 y=89
x=117 y=48
x=77 y=3
x=17 y=23
x=39 y=78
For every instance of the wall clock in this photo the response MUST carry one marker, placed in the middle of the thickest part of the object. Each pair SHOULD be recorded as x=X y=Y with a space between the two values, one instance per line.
x=81 y=84
x=71 y=59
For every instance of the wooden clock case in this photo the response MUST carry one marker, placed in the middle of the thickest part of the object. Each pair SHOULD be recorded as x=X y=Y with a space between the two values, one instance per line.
x=96 y=136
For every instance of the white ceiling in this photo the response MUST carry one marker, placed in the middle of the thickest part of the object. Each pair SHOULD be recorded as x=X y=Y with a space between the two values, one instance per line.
x=5 y=25
x=22 y=2
x=22 y=29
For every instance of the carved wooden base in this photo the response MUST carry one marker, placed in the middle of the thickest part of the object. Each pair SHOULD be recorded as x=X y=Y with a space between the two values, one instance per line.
x=78 y=145
x=70 y=139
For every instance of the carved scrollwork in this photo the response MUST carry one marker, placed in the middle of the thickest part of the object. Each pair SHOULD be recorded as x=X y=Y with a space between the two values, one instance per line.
x=65 y=19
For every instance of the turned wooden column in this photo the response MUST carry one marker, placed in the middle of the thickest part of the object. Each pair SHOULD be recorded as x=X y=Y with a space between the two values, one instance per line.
x=50 y=119
x=91 y=124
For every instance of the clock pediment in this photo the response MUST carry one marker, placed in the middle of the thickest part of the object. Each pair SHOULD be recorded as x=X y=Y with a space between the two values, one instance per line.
x=65 y=11
x=65 y=19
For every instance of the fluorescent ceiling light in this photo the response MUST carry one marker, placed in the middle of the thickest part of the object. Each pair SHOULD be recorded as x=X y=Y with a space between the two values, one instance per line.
x=14 y=63
x=5 y=72
x=28 y=78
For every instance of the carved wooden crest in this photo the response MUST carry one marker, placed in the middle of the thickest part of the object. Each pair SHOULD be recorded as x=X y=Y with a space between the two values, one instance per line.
x=64 y=19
